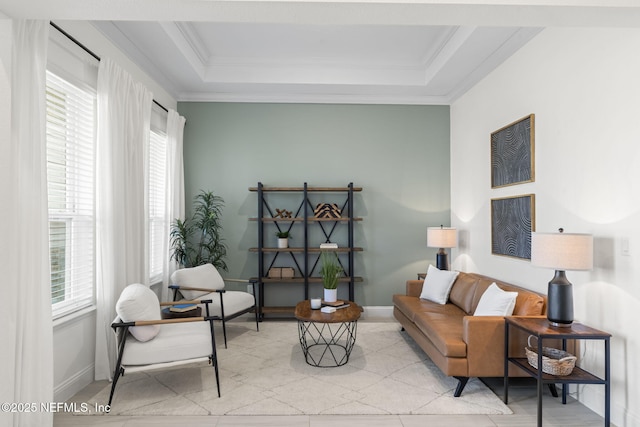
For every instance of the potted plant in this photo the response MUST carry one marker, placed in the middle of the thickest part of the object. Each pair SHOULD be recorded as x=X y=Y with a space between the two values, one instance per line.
x=330 y=272
x=198 y=240
x=283 y=239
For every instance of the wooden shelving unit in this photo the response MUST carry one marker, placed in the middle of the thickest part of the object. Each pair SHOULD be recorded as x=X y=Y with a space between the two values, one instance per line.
x=304 y=257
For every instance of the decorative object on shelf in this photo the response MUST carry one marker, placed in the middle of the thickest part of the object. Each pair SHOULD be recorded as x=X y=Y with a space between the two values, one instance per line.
x=512 y=221
x=330 y=272
x=327 y=210
x=561 y=251
x=328 y=245
x=283 y=239
x=442 y=237
x=281 y=273
x=512 y=153
x=283 y=213
x=206 y=223
x=554 y=361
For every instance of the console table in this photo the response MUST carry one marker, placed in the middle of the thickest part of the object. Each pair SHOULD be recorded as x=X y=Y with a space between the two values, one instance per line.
x=541 y=329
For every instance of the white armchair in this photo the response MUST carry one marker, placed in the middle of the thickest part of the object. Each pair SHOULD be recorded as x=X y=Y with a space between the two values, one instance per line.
x=205 y=282
x=145 y=341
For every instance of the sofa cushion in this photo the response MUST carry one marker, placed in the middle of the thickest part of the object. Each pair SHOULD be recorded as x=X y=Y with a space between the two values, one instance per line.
x=529 y=304
x=437 y=285
x=463 y=291
x=410 y=306
x=496 y=302
x=444 y=330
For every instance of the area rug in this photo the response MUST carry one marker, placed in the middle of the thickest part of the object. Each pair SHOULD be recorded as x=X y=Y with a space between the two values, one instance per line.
x=265 y=373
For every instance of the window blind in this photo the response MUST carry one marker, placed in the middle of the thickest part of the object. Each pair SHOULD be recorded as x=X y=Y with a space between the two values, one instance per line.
x=71 y=186
x=157 y=204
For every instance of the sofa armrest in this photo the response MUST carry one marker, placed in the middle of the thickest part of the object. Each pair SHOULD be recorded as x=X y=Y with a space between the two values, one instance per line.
x=484 y=336
x=414 y=288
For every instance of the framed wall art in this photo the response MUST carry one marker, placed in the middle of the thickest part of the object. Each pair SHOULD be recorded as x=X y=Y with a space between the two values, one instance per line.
x=512 y=153
x=512 y=221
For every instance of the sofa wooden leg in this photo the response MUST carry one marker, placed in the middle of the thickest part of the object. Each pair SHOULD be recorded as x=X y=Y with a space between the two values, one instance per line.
x=462 y=381
x=553 y=390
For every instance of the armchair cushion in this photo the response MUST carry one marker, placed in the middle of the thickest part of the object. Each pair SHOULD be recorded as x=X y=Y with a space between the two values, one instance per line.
x=234 y=302
x=176 y=341
x=203 y=276
x=138 y=302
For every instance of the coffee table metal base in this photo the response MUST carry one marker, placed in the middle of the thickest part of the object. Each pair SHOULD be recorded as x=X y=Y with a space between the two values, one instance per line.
x=327 y=345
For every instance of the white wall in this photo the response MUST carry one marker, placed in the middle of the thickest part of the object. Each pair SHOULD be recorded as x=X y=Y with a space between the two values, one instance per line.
x=583 y=86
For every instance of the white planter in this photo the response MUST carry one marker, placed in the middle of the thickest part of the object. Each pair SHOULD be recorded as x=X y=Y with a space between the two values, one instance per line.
x=331 y=295
x=283 y=243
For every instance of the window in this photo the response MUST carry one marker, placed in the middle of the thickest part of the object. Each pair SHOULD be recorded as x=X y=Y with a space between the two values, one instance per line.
x=71 y=178
x=157 y=204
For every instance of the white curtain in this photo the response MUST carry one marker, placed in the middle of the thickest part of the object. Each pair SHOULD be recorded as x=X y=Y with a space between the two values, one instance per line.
x=175 y=190
x=124 y=115
x=27 y=344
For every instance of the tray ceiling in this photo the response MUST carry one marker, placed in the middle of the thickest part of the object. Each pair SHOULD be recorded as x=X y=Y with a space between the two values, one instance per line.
x=357 y=51
x=424 y=64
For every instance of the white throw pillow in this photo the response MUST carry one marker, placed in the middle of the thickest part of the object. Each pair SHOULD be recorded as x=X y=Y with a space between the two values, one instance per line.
x=496 y=302
x=138 y=302
x=438 y=284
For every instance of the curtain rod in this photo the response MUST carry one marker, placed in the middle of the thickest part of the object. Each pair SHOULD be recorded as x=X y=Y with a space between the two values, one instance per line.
x=90 y=52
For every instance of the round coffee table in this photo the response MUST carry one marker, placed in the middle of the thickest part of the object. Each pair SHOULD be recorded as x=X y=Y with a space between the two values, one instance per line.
x=327 y=338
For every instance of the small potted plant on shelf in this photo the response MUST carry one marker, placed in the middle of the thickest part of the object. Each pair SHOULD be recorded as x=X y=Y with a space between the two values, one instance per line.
x=283 y=239
x=330 y=272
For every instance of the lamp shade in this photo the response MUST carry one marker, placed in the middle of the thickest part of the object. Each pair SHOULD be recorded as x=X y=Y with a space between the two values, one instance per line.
x=442 y=237
x=562 y=251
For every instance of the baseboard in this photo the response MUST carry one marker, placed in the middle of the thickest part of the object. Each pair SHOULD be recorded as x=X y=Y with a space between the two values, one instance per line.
x=592 y=396
x=67 y=389
x=378 y=312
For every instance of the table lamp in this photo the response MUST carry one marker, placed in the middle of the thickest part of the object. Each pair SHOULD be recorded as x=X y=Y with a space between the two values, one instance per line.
x=561 y=251
x=442 y=237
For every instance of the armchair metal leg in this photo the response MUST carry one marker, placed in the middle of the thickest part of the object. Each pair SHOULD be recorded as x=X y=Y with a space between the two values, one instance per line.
x=222 y=318
x=119 y=369
x=255 y=309
x=213 y=359
x=116 y=375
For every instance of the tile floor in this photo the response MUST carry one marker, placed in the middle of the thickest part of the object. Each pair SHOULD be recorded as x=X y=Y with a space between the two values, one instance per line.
x=522 y=402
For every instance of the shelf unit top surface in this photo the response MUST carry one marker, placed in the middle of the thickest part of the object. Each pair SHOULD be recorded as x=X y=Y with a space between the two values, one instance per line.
x=309 y=189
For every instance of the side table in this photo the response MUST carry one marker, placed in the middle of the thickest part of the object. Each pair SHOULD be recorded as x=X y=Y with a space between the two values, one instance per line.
x=541 y=329
x=166 y=313
x=327 y=338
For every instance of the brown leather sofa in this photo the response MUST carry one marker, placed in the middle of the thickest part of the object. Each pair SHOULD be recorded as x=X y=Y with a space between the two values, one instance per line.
x=460 y=344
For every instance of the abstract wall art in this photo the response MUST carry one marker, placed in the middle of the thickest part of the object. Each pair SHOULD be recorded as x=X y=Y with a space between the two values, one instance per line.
x=512 y=153
x=512 y=221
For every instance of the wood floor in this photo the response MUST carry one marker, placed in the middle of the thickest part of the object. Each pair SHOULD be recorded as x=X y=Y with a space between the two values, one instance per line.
x=522 y=401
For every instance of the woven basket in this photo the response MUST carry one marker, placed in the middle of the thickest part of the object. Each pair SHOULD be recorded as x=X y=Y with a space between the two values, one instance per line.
x=554 y=361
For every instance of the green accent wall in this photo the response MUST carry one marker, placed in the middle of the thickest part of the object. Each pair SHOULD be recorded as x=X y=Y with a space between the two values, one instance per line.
x=399 y=155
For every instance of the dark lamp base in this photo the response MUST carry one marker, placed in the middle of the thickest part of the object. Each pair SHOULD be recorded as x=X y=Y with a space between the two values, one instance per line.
x=560 y=325
x=442 y=261
x=560 y=301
